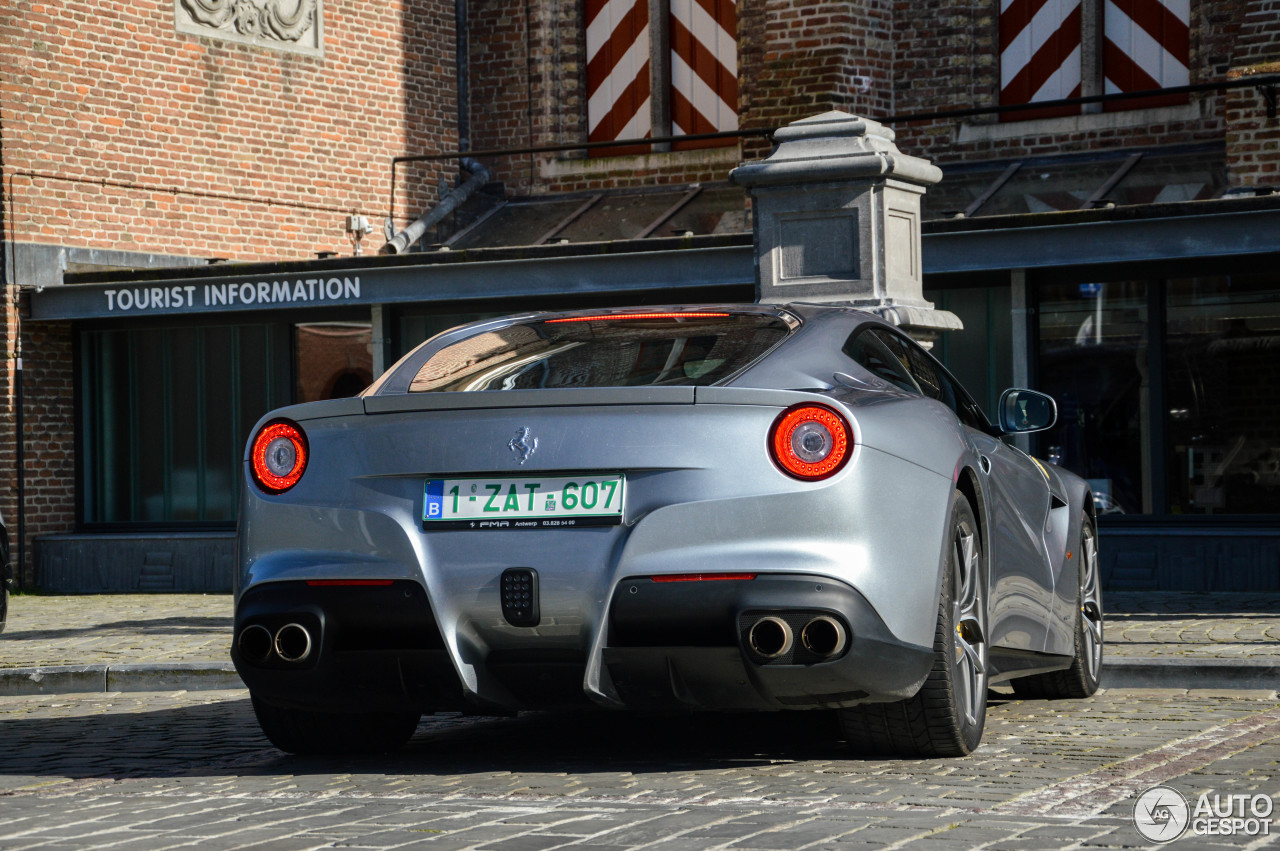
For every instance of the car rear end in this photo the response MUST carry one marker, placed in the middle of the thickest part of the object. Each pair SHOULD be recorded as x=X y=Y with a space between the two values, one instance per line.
x=675 y=542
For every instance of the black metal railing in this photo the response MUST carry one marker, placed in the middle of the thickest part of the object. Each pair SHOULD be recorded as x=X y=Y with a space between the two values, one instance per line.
x=1266 y=84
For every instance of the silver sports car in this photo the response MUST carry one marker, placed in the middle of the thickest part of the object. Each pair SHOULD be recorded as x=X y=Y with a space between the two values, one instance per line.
x=723 y=507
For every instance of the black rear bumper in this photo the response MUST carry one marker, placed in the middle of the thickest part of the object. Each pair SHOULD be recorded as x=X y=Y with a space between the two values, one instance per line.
x=684 y=645
x=670 y=646
x=375 y=648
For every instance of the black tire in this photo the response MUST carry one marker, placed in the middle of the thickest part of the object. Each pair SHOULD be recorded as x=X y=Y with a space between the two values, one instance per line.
x=946 y=717
x=1081 y=679
x=305 y=732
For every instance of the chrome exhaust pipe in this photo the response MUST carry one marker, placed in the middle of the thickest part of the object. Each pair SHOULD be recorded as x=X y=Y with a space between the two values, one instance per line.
x=824 y=636
x=255 y=643
x=293 y=642
x=770 y=637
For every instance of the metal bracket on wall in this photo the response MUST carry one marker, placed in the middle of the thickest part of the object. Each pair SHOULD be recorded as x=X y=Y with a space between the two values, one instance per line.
x=1099 y=196
x=1268 y=93
x=670 y=211
x=995 y=187
x=569 y=219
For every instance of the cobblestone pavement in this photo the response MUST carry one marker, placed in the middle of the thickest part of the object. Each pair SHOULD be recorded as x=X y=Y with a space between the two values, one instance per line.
x=116 y=629
x=165 y=770
x=186 y=628
x=1193 y=626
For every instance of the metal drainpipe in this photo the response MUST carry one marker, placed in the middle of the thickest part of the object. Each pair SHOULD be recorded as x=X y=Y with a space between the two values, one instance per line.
x=400 y=243
x=463 y=56
x=21 y=456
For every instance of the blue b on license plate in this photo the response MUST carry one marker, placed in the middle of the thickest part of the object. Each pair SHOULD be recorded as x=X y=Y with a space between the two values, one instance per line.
x=524 y=502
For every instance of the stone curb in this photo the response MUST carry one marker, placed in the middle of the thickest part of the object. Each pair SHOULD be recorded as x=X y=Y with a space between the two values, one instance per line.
x=1183 y=672
x=66 y=679
x=1120 y=672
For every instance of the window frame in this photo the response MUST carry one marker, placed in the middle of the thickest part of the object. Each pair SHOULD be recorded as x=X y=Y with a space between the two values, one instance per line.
x=1156 y=453
x=85 y=453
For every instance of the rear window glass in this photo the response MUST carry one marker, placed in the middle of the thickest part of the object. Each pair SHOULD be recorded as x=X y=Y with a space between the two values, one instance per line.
x=631 y=350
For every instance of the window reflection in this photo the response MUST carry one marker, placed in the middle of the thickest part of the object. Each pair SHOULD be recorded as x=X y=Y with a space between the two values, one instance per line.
x=602 y=352
x=1223 y=411
x=334 y=359
x=1093 y=361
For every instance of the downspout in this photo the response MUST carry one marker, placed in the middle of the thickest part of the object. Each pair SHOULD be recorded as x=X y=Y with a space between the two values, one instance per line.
x=463 y=57
x=22 y=460
x=9 y=278
x=400 y=243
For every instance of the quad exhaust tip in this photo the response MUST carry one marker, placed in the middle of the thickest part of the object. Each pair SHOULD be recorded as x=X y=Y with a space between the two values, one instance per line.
x=824 y=636
x=770 y=637
x=293 y=642
x=255 y=643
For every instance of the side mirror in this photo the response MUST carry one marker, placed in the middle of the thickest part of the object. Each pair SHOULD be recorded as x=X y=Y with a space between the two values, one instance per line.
x=1023 y=411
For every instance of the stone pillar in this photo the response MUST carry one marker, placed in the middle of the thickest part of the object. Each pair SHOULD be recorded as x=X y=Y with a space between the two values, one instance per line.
x=837 y=220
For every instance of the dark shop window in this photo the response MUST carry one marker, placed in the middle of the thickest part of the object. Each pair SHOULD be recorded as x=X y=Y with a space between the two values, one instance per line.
x=1223 y=409
x=1094 y=361
x=1166 y=391
x=166 y=413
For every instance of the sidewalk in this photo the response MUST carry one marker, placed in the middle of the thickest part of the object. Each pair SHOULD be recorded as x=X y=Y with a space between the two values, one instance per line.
x=161 y=642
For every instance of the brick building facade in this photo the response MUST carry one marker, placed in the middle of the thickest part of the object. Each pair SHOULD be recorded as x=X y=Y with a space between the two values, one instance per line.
x=155 y=134
x=127 y=142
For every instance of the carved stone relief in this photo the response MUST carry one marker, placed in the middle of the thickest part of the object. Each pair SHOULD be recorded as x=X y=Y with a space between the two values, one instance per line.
x=293 y=25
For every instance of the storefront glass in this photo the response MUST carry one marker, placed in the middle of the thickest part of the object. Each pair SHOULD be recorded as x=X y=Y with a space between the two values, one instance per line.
x=1094 y=362
x=980 y=356
x=1223 y=368
x=332 y=360
x=166 y=412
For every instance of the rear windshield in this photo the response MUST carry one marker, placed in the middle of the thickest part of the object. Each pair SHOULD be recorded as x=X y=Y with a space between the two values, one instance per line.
x=627 y=350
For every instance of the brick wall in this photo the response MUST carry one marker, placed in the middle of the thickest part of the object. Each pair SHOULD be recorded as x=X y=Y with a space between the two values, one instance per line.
x=1253 y=139
x=527 y=89
x=801 y=57
x=49 y=457
x=8 y=426
x=121 y=133
x=500 y=87
x=811 y=56
x=948 y=59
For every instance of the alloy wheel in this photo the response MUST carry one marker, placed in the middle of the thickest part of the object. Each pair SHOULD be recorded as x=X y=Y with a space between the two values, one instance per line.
x=969 y=662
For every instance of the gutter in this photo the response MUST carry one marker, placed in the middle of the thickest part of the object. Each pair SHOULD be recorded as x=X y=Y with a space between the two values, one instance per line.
x=400 y=242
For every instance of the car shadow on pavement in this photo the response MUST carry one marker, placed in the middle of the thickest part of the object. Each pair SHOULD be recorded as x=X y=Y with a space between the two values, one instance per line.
x=175 y=625
x=222 y=737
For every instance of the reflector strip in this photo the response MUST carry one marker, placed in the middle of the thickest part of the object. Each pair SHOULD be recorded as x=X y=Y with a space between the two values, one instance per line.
x=329 y=583
x=703 y=577
x=607 y=317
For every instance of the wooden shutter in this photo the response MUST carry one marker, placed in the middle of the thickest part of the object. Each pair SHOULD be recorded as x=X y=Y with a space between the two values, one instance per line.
x=1147 y=45
x=1039 y=55
x=618 y=72
x=704 y=69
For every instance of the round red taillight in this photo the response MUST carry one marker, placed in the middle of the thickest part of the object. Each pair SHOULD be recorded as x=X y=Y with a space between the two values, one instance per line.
x=811 y=442
x=279 y=456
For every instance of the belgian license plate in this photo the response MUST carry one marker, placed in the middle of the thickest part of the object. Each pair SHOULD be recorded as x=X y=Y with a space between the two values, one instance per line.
x=524 y=503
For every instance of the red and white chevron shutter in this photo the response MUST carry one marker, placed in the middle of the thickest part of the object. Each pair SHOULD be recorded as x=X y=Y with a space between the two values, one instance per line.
x=1039 y=55
x=618 y=49
x=704 y=69
x=1147 y=45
